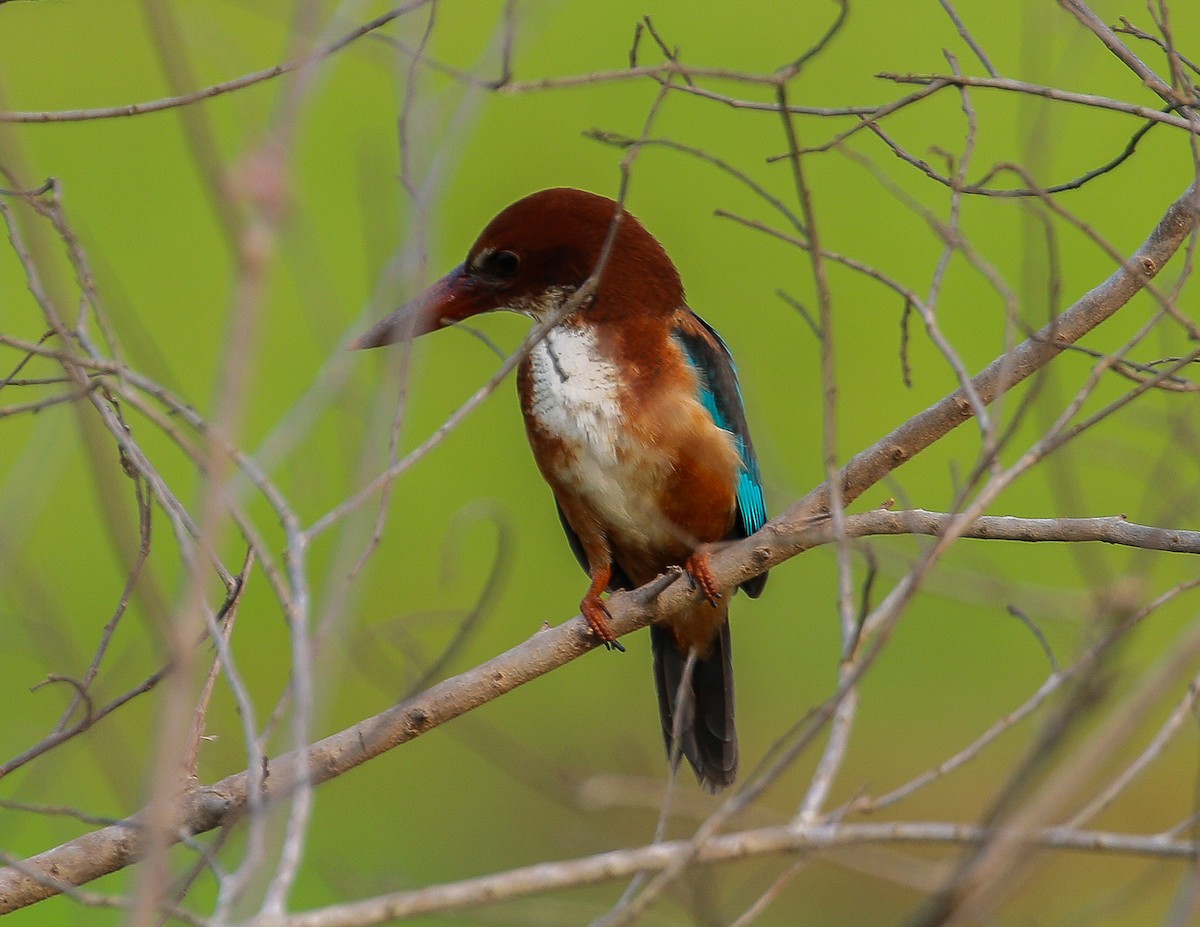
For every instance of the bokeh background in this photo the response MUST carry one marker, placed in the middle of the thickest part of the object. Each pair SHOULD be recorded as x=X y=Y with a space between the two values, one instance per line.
x=523 y=779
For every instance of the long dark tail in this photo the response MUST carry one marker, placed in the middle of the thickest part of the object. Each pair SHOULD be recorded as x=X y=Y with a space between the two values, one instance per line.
x=707 y=736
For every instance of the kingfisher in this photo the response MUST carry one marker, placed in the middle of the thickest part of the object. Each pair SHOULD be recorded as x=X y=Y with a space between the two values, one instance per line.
x=635 y=417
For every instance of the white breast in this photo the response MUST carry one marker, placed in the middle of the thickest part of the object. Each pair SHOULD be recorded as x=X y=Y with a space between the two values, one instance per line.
x=576 y=398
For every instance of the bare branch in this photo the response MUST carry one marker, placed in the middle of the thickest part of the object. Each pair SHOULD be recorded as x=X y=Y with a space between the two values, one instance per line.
x=207 y=93
x=1050 y=93
x=619 y=864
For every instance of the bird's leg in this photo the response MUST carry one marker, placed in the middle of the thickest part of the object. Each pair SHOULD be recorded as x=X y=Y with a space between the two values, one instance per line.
x=592 y=608
x=700 y=573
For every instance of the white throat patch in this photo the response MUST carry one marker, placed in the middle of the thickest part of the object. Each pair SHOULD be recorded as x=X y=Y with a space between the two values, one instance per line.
x=575 y=393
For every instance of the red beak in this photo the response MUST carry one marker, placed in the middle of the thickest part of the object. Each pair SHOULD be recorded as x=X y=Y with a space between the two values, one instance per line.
x=455 y=297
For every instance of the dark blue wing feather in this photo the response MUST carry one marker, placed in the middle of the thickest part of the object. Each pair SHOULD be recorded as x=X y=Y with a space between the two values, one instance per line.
x=721 y=395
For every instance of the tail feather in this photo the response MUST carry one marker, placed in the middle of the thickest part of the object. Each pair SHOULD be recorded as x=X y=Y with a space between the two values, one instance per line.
x=707 y=736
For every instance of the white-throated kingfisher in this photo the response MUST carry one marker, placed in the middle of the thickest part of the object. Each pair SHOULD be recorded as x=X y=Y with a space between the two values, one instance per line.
x=634 y=414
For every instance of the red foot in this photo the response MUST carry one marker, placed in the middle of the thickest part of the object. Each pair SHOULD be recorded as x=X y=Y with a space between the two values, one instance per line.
x=700 y=573
x=592 y=608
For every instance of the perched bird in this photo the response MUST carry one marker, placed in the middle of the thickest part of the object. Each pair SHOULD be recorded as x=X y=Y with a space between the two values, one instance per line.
x=634 y=414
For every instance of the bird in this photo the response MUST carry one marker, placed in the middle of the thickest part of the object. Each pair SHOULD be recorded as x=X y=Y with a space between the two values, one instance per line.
x=634 y=413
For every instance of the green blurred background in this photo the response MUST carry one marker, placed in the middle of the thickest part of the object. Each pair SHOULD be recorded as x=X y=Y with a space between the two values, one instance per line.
x=502 y=787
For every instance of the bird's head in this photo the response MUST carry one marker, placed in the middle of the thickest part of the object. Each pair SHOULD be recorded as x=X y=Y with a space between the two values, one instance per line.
x=533 y=256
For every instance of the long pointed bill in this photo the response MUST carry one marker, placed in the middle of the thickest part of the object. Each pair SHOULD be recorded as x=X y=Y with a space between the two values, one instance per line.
x=455 y=297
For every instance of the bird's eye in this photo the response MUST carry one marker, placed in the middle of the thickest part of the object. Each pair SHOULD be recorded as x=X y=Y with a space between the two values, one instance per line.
x=504 y=264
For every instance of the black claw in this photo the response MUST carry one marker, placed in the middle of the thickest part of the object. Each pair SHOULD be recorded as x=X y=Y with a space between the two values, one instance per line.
x=710 y=599
x=614 y=645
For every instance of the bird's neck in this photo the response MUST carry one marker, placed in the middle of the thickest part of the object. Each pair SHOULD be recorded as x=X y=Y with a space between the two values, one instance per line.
x=585 y=363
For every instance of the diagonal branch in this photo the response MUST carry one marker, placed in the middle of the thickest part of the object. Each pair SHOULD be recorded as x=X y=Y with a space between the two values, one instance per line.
x=1001 y=375
x=801 y=527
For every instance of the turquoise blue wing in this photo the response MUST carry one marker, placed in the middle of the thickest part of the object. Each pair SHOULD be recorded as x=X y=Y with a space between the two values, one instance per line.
x=721 y=395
